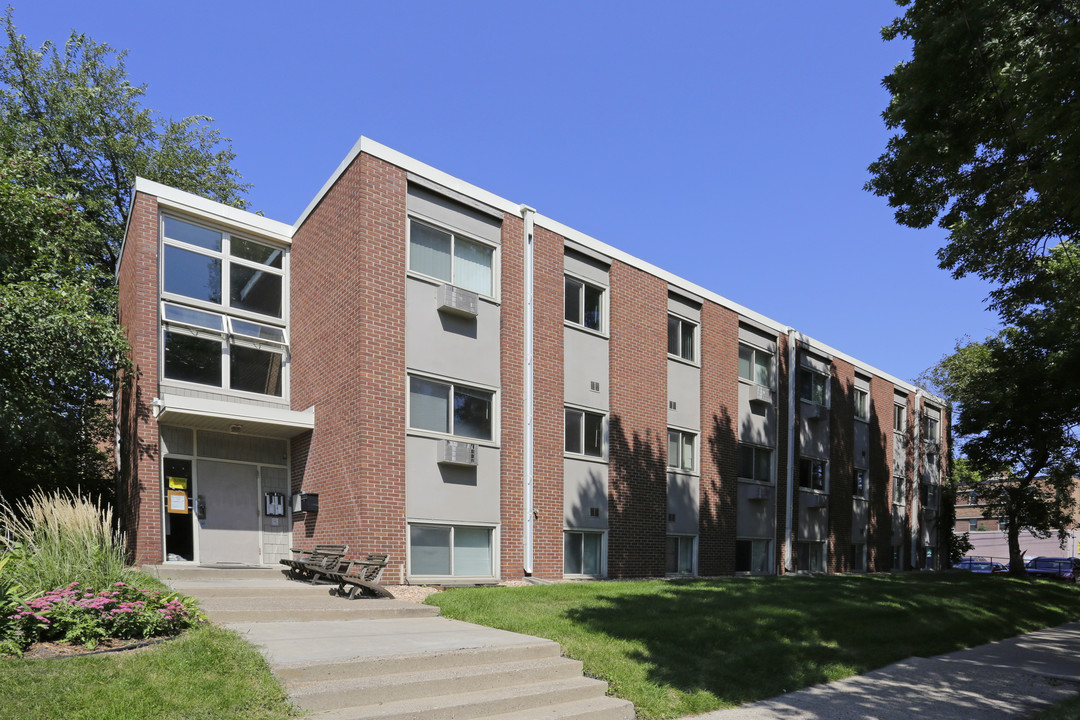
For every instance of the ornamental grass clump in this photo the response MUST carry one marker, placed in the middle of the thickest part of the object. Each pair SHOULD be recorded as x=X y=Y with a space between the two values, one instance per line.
x=57 y=538
x=77 y=614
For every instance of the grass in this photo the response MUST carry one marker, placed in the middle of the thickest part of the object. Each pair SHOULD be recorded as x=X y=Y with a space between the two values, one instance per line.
x=1064 y=710
x=677 y=648
x=206 y=674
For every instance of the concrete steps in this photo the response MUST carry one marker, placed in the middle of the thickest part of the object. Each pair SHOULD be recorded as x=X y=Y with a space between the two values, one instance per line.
x=342 y=659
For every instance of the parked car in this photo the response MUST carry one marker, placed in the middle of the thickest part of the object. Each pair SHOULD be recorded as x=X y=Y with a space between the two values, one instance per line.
x=980 y=565
x=1053 y=567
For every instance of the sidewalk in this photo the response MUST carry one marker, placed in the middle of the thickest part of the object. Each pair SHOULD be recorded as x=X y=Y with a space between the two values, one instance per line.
x=1014 y=678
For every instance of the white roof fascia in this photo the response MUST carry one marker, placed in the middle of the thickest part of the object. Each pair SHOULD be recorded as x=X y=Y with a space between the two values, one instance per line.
x=219 y=212
x=375 y=149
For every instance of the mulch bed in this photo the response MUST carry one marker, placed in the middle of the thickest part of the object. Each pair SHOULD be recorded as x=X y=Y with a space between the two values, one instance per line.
x=44 y=650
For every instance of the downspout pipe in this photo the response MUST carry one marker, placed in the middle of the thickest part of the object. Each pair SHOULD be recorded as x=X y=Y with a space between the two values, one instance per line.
x=527 y=216
x=916 y=479
x=790 y=502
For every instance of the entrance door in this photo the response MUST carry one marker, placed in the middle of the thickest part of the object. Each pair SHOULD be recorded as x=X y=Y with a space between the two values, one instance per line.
x=229 y=530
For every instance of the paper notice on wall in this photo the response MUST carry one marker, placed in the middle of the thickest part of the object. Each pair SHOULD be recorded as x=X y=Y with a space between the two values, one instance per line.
x=177 y=483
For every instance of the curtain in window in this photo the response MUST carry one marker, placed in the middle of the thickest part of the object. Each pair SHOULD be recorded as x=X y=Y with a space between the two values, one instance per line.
x=472 y=551
x=429 y=550
x=429 y=251
x=472 y=266
x=429 y=405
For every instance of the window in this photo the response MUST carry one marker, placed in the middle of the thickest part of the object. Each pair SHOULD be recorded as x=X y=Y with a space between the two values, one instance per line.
x=973 y=524
x=928 y=495
x=812 y=386
x=899 y=418
x=447 y=408
x=233 y=282
x=584 y=304
x=452 y=258
x=858 y=557
x=973 y=498
x=584 y=433
x=862 y=404
x=899 y=490
x=450 y=551
x=755 y=365
x=860 y=486
x=755 y=463
x=680 y=447
x=753 y=556
x=812 y=474
x=930 y=429
x=680 y=338
x=680 y=555
x=810 y=557
x=583 y=553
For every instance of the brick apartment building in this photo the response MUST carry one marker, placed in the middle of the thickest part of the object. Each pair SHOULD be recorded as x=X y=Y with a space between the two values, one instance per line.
x=987 y=532
x=485 y=393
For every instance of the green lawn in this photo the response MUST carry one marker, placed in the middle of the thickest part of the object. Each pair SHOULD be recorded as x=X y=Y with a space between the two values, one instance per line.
x=207 y=674
x=677 y=648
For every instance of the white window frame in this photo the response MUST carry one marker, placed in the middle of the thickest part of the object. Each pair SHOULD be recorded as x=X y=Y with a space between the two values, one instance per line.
x=768 y=551
x=603 y=551
x=931 y=430
x=862 y=409
x=755 y=449
x=679 y=538
x=681 y=444
x=454 y=235
x=899 y=490
x=820 y=547
x=603 y=434
x=695 y=342
x=442 y=380
x=580 y=323
x=899 y=413
x=753 y=364
x=814 y=375
x=493 y=535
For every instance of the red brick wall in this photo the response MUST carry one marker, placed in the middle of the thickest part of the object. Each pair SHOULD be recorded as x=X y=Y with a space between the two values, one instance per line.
x=348 y=355
x=879 y=532
x=841 y=464
x=512 y=398
x=637 y=480
x=549 y=419
x=139 y=497
x=719 y=439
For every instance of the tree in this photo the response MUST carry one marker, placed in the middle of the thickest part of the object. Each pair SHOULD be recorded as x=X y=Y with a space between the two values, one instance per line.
x=989 y=138
x=76 y=108
x=73 y=137
x=59 y=342
x=1018 y=431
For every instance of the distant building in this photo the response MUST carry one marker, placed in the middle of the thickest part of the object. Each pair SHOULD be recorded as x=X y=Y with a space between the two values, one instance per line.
x=421 y=368
x=988 y=533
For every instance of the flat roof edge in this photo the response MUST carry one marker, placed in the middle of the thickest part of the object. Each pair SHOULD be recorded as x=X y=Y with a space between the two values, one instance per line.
x=227 y=213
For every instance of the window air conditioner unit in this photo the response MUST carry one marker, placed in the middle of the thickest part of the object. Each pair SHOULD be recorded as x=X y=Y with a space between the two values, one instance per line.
x=816 y=501
x=457 y=453
x=761 y=394
x=457 y=301
x=759 y=493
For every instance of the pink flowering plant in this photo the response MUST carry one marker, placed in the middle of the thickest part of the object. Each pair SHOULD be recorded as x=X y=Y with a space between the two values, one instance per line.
x=83 y=616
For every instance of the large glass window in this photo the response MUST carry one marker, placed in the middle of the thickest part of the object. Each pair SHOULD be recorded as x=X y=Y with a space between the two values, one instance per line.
x=753 y=556
x=681 y=447
x=450 y=257
x=862 y=404
x=681 y=335
x=930 y=429
x=755 y=463
x=450 y=551
x=205 y=339
x=449 y=408
x=584 y=304
x=584 y=432
x=583 y=553
x=812 y=387
x=899 y=489
x=810 y=557
x=755 y=365
x=680 y=555
x=899 y=418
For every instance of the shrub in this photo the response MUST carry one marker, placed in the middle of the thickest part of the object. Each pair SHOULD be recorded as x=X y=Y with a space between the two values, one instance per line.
x=54 y=539
x=76 y=614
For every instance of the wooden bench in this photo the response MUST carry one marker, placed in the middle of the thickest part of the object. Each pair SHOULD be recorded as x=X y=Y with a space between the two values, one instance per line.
x=312 y=564
x=361 y=576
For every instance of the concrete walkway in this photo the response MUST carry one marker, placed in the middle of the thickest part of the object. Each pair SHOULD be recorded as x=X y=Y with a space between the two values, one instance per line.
x=1014 y=678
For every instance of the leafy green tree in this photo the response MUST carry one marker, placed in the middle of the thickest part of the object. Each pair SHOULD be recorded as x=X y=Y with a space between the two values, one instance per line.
x=76 y=107
x=988 y=138
x=1018 y=431
x=59 y=341
x=73 y=138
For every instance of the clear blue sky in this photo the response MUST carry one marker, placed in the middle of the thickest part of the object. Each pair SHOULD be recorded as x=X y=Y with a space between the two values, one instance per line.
x=724 y=141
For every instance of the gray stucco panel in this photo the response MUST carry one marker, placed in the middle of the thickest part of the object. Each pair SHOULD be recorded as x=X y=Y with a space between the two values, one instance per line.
x=450 y=493
x=684 y=387
x=755 y=518
x=585 y=486
x=586 y=362
x=450 y=345
x=683 y=493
